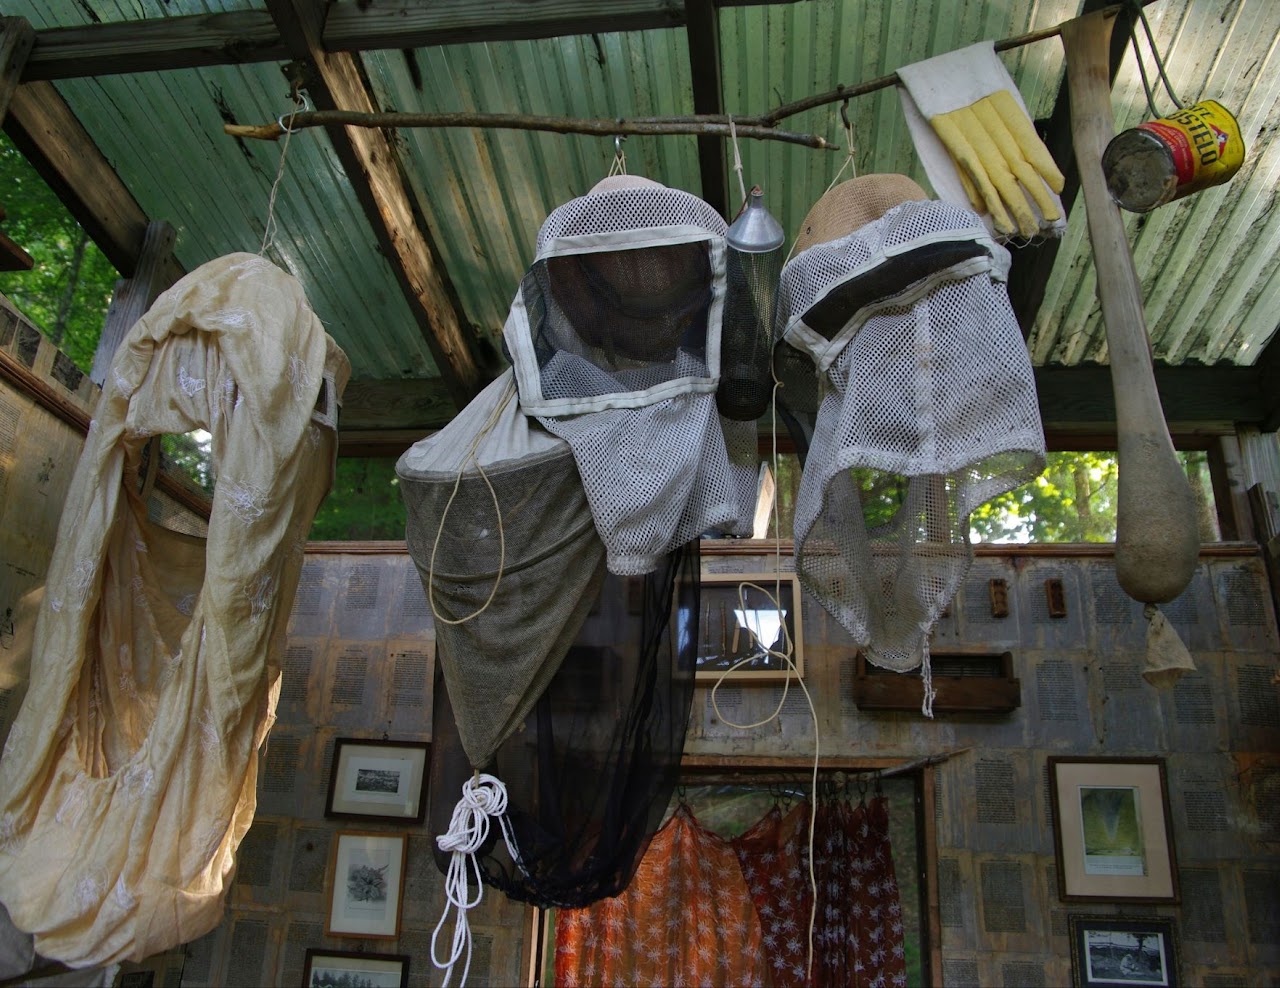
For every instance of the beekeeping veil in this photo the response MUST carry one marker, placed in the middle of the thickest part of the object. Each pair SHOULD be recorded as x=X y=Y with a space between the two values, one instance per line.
x=927 y=405
x=130 y=775
x=570 y=688
x=503 y=538
x=615 y=337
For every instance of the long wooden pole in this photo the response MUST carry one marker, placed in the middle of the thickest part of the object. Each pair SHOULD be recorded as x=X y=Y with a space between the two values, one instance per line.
x=1157 y=539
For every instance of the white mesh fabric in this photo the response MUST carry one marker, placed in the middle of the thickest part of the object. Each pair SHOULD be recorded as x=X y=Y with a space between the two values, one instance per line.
x=660 y=476
x=542 y=553
x=909 y=227
x=614 y=337
x=627 y=281
x=929 y=410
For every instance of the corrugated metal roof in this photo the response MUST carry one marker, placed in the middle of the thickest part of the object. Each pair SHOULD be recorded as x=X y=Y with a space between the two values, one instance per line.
x=485 y=193
x=1210 y=265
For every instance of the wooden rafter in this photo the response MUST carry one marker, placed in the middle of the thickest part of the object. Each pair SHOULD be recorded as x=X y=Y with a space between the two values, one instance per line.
x=164 y=43
x=46 y=131
x=371 y=164
x=703 y=29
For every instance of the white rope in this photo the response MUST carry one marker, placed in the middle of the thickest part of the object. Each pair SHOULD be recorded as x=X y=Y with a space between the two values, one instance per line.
x=483 y=796
x=788 y=650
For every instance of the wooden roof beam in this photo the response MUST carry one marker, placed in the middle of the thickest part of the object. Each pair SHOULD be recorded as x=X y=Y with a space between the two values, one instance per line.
x=372 y=165
x=50 y=136
x=233 y=37
x=703 y=28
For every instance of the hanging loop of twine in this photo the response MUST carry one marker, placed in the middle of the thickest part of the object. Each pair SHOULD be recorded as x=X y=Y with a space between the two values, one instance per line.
x=472 y=456
x=300 y=103
x=483 y=796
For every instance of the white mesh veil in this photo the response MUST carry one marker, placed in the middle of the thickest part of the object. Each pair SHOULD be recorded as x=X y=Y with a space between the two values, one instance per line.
x=927 y=409
x=512 y=582
x=615 y=340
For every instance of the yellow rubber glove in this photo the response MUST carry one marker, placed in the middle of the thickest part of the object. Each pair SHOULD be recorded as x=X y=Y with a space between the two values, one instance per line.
x=1001 y=161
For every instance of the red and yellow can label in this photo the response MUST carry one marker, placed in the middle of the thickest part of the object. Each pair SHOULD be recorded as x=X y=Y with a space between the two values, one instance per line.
x=1204 y=140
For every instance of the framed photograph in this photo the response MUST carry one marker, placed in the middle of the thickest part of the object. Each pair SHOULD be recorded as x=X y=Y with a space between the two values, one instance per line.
x=741 y=626
x=368 y=885
x=378 y=780
x=348 y=969
x=1113 y=832
x=1110 y=951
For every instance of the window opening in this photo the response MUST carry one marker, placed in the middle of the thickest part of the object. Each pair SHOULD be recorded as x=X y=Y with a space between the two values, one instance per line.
x=67 y=291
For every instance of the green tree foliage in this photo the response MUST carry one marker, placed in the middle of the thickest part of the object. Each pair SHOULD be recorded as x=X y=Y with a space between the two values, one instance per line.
x=68 y=290
x=364 y=503
x=1072 y=500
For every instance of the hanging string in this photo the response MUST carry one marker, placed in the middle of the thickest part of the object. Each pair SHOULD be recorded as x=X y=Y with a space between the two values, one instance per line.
x=1155 y=54
x=619 y=164
x=737 y=161
x=300 y=103
x=507 y=395
x=849 y=148
x=483 y=796
x=788 y=650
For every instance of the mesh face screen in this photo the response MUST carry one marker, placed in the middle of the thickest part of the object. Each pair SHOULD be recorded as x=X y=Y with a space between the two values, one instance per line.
x=626 y=313
x=928 y=409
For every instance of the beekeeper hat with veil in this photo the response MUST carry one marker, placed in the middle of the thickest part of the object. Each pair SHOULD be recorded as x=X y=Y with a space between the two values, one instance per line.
x=921 y=406
x=571 y=678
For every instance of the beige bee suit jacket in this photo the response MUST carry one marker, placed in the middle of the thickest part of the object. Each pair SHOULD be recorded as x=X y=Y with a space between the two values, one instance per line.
x=128 y=779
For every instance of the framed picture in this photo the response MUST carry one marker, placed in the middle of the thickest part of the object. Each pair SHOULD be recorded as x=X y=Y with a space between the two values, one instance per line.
x=378 y=780
x=1114 y=838
x=741 y=626
x=368 y=885
x=1109 y=951
x=347 y=969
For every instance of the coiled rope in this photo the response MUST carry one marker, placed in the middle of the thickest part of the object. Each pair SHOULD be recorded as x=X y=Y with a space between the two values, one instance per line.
x=483 y=796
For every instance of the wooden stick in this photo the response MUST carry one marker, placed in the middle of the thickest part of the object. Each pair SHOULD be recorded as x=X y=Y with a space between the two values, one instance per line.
x=1157 y=539
x=516 y=121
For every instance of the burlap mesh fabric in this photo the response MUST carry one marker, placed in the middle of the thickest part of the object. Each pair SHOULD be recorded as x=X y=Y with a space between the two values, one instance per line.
x=615 y=340
x=591 y=768
x=927 y=409
x=535 y=551
x=129 y=777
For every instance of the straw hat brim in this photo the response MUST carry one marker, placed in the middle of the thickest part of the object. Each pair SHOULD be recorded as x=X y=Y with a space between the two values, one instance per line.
x=853 y=204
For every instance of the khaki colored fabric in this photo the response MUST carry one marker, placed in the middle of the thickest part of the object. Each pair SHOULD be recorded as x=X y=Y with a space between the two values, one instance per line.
x=128 y=779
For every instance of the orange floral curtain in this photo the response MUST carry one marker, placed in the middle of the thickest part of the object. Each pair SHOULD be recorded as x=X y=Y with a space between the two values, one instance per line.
x=685 y=919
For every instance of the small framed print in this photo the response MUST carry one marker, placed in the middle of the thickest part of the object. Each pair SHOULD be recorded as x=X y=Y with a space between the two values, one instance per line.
x=368 y=885
x=378 y=780
x=1113 y=832
x=746 y=620
x=346 y=969
x=1107 y=951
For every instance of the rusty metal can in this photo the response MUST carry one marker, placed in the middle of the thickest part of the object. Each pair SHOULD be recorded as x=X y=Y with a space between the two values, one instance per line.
x=1171 y=157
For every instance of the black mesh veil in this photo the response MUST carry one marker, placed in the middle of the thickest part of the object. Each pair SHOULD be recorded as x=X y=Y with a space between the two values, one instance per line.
x=590 y=771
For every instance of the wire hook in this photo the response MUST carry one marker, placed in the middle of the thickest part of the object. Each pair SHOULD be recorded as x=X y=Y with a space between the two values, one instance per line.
x=301 y=104
x=619 y=163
